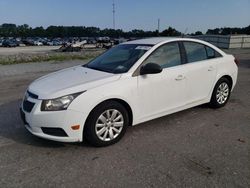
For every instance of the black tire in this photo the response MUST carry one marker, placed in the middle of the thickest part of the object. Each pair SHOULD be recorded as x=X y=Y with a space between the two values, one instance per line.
x=214 y=102
x=89 y=132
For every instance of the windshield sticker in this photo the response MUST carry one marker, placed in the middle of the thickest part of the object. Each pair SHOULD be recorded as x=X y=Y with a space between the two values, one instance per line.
x=143 y=47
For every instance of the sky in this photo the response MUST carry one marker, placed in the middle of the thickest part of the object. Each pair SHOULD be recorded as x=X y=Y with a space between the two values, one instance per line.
x=186 y=16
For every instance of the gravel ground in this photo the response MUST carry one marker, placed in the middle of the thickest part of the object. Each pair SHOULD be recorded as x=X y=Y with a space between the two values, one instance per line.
x=199 y=147
x=27 y=50
x=26 y=68
x=14 y=79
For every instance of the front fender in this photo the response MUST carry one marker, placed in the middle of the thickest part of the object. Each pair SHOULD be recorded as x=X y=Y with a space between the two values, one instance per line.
x=124 y=90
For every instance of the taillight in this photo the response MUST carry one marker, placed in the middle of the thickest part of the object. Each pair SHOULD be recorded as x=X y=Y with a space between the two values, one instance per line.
x=237 y=62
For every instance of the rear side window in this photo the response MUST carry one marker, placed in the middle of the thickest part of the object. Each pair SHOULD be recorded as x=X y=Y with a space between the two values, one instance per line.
x=195 y=51
x=211 y=53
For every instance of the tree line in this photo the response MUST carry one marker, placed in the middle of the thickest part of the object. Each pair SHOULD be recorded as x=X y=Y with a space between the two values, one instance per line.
x=13 y=30
x=229 y=30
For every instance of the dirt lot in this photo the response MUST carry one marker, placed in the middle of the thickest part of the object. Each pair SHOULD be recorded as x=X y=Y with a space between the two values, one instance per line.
x=27 y=50
x=199 y=147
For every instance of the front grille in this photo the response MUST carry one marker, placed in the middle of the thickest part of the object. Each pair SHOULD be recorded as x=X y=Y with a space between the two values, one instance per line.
x=54 y=132
x=32 y=95
x=28 y=106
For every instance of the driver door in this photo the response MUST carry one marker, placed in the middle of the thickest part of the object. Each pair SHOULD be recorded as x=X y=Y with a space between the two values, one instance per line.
x=159 y=94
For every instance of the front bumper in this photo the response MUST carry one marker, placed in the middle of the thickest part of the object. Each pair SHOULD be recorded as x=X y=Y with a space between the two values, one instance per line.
x=37 y=122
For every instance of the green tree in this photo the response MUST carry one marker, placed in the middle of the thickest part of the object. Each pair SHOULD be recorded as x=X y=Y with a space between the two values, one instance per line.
x=170 y=32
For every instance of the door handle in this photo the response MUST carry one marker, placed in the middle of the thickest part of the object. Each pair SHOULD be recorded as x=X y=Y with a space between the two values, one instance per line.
x=180 y=77
x=210 y=68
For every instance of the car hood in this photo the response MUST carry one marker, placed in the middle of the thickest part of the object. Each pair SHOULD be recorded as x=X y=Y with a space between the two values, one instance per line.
x=69 y=81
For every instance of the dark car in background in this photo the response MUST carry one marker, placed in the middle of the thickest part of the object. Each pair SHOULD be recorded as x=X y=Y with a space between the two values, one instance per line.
x=9 y=43
x=28 y=41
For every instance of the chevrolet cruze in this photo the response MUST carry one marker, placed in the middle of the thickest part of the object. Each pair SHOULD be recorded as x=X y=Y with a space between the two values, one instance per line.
x=129 y=84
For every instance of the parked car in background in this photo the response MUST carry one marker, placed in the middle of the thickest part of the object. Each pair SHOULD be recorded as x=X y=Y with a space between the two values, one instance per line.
x=91 y=41
x=9 y=43
x=28 y=41
x=50 y=43
x=131 y=83
x=38 y=43
x=57 y=42
x=103 y=39
x=119 y=40
x=20 y=42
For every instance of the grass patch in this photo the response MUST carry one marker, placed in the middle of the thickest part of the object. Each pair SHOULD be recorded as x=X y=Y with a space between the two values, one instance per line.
x=52 y=56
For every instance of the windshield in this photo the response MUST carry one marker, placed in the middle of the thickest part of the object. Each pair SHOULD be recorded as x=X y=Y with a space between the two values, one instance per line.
x=118 y=59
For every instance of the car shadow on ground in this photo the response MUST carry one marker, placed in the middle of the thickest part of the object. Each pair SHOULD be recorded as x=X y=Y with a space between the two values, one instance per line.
x=12 y=128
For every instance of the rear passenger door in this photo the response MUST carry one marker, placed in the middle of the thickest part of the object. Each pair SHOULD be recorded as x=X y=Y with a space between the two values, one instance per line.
x=200 y=70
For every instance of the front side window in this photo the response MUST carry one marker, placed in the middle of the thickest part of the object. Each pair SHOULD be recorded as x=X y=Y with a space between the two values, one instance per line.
x=118 y=59
x=166 y=56
x=195 y=51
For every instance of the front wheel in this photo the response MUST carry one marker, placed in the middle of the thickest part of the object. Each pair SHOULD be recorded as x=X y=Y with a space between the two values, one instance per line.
x=106 y=124
x=221 y=93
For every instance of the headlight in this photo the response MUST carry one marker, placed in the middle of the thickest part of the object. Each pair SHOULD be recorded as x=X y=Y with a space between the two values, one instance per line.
x=61 y=103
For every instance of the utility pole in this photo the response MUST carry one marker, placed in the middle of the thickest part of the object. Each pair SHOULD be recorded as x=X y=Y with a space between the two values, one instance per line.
x=159 y=22
x=185 y=32
x=113 y=14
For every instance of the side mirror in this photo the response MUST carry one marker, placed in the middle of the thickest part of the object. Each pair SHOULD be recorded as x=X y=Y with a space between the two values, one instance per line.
x=150 y=68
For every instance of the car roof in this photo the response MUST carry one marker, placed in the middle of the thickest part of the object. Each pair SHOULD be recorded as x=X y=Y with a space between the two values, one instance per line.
x=151 y=41
x=157 y=40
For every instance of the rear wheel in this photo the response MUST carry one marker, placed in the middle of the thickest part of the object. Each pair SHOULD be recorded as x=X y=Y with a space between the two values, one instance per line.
x=221 y=93
x=106 y=124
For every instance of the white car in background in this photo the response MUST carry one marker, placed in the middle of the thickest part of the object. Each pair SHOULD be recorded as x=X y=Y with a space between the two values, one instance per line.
x=129 y=84
x=38 y=43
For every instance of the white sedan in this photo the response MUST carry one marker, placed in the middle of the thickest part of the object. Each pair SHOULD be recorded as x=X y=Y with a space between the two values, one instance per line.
x=131 y=83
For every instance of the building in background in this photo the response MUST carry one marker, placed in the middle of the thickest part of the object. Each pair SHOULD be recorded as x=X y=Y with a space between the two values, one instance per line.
x=227 y=41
